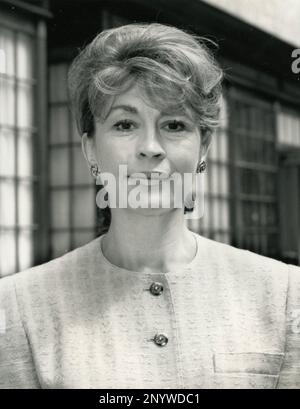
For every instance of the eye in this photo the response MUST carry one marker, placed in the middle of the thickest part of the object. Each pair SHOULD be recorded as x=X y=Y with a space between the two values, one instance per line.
x=124 y=125
x=176 y=126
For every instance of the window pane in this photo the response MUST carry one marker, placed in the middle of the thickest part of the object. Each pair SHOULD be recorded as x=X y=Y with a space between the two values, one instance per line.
x=249 y=181
x=289 y=128
x=25 y=250
x=24 y=56
x=272 y=244
x=7 y=102
x=268 y=183
x=251 y=214
x=268 y=153
x=269 y=214
x=7 y=153
x=7 y=203
x=81 y=171
x=60 y=244
x=59 y=165
x=60 y=208
x=25 y=208
x=25 y=155
x=7 y=253
x=80 y=238
x=59 y=124
x=7 y=45
x=84 y=210
x=25 y=102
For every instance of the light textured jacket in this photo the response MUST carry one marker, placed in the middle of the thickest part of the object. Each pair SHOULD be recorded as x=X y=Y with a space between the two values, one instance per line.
x=231 y=319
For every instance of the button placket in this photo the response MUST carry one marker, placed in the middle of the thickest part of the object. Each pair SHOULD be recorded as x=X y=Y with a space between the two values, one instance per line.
x=156 y=289
x=161 y=345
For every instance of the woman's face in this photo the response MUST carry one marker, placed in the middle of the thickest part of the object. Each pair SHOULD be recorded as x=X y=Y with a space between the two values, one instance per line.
x=136 y=134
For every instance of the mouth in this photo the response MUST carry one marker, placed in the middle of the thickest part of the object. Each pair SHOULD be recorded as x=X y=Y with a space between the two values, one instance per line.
x=150 y=176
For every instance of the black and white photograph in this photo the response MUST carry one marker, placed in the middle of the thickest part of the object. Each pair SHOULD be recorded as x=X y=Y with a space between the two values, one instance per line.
x=149 y=196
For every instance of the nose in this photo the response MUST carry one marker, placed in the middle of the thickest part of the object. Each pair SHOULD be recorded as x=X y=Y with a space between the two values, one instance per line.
x=149 y=145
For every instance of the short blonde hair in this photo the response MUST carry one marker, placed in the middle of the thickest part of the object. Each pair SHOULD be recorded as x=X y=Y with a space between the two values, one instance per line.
x=174 y=68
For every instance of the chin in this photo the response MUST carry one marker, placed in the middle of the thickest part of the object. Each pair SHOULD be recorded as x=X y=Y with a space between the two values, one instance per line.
x=151 y=212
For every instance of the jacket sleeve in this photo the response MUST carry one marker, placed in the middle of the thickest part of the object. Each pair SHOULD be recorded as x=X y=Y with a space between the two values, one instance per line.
x=16 y=364
x=290 y=371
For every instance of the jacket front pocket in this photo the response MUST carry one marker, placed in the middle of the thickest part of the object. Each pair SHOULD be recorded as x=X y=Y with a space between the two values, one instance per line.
x=247 y=369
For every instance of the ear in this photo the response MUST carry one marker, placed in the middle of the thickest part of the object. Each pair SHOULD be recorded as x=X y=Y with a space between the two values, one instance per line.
x=88 y=149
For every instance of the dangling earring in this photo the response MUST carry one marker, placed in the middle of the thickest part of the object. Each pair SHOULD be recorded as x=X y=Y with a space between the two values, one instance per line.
x=201 y=167
x=95 y=170
x=102 y=194
x=194 y=202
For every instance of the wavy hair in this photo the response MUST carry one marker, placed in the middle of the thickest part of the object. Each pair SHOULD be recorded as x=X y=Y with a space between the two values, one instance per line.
x=173 y=68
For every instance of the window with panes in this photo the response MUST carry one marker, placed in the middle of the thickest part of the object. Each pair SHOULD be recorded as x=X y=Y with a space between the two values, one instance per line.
x=254 y=170
x=215 y=222
x=17 y=135
x=72 y=189
x=288 y=126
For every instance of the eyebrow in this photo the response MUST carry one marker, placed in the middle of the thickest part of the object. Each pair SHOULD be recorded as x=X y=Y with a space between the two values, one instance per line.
x=133 y=110
x=127 y=108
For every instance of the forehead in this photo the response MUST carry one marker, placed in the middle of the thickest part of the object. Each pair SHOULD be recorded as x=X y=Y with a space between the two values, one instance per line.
x=138 y=99
x=133 y=97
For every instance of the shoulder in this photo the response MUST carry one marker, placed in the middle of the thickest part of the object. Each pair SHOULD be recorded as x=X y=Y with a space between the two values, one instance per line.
x=8 y=301
x=245 y=263
x=244 y=271
x=16 y=364
x=66 y=267
x=34 y=287
x=290 y=372
x=294 y=281
x=293 y=301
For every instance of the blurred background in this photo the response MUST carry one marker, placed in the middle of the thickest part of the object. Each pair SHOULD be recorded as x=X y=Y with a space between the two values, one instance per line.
x=47 y=196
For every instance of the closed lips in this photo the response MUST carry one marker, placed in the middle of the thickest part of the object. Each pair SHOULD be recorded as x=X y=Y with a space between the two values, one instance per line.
x=150 y=175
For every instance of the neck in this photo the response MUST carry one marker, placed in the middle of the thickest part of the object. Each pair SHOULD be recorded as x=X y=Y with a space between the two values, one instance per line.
x=143 y=242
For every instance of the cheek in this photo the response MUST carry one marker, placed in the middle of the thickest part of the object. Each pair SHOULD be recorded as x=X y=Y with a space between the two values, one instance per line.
x=187 y=165
x=185 y=158
x=110 y=156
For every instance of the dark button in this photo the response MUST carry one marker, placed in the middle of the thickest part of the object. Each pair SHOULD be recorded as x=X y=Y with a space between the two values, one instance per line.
x=156 y=288
x=161 y=340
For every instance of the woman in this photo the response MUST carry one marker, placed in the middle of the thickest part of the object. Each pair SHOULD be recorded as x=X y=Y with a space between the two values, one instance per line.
x=150 y=304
